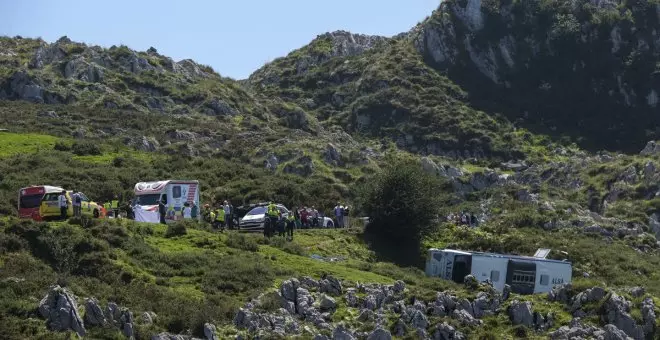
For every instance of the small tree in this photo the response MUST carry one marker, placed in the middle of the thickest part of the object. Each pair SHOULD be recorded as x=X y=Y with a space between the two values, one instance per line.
x=402 y=203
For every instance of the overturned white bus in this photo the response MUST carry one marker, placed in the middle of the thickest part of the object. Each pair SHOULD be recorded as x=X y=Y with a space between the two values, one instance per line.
x=524 y=274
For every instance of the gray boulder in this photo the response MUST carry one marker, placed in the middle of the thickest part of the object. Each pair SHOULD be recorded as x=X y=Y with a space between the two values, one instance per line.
x=218 y=107
x=168 y=336
x=327 y=303
x=143 y=143
x=351 y=298
x=444 y=331
x=288 y=289
x=651 y=148
x=60 y=310
x=637 y=292
x=93 y=313
x=331 y=155
x=612 y=333
x=617 y=311
x=649 y=316
x=379 y=334
x=366 y=315
x=341 y=333
x=520 y=313
x=309 y=283
x=331 y=285
x=399 y=286
x=209 y=332
x=418 y=320
x=465 y=318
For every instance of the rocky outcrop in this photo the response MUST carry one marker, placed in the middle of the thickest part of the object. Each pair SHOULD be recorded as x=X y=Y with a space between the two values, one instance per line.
x=617 y=313
x=60 y=309
x=303 y=166
x=521 y=313
x=143 y=143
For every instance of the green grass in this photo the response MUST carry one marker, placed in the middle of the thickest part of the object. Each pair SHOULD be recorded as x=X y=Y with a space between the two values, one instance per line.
x=20 y=143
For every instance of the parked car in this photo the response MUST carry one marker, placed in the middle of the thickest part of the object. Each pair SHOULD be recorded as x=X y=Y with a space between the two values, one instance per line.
x=255 y=218
x=50 y=208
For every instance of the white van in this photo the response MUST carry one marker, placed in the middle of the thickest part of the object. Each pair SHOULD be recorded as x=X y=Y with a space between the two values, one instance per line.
x=173 y=193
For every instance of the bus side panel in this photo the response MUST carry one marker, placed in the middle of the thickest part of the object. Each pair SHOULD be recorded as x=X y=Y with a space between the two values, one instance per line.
x=550 y=274
x=490 y=268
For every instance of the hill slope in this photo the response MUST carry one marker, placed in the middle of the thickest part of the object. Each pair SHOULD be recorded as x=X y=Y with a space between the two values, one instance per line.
x=507 y=101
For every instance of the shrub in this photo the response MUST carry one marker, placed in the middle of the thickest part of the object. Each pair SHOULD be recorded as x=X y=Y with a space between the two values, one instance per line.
x=241 y=241
x=61 y=146
x=175 y=229
x=401 y=202
x=85 y=149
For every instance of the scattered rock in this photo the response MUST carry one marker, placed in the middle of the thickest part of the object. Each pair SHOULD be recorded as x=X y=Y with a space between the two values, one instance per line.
x=637 y=291
x=331 y=286
x=379 y=334
x=446 y=332
x=60 y=310
x=341 y=333
x=288 y=289
x=617 y=313
x=399 y=286
x=143 y=143
x=366 y=315
x=48 y=114
x=209 y=332
x=471 y=282
x=651 y=148
x=327 y=303
x=520 y=313
x=93 y=313
x=331 y=155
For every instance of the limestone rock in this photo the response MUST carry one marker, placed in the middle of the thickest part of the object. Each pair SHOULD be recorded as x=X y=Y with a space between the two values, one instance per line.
x=60 y=310
x=380 y=334
x=327 y=303
x=93 y=313
x=209 y=332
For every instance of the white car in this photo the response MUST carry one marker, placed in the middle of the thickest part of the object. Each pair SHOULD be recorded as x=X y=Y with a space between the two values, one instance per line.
x=255 y=218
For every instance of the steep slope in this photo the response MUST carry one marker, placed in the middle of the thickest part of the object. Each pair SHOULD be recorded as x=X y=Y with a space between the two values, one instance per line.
x=586 y=70
x=386 y=92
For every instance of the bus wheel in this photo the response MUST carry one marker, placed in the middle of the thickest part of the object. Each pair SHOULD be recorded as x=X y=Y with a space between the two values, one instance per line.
x=96 y=213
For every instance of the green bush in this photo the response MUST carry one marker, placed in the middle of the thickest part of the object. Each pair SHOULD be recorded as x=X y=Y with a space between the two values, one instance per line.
x=402 y=203
x=61 y=146
x=85 y=149
x=175 y=229
x=243 y=242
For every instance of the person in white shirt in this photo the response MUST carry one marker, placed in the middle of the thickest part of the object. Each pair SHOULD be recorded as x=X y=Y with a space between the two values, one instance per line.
x=63 y=203
x=187 y=211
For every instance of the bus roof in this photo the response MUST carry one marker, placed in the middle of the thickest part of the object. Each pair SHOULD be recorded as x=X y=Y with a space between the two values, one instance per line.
x=514 y=257
x=40 y=189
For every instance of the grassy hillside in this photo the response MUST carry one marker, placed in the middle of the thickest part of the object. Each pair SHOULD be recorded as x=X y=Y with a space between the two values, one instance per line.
x=204 y=277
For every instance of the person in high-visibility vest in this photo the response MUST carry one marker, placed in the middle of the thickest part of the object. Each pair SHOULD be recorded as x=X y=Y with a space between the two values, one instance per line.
x=273 y=215
x=220 y=218
x=115 y=207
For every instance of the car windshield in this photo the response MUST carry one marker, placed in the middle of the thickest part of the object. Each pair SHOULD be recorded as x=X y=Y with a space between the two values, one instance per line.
x=257 y=211
x=83 y=197
x=150 y=199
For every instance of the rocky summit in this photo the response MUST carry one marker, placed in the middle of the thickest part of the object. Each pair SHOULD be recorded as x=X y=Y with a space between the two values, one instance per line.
x=537 y=119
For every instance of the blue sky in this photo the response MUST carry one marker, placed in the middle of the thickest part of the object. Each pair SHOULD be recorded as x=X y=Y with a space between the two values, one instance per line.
x=234 y=37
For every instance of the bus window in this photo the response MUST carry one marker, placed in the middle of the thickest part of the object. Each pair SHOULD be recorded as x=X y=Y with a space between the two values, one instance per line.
x=176 y=191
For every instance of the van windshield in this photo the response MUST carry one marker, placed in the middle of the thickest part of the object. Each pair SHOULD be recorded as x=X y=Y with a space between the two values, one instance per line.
x=151 y=199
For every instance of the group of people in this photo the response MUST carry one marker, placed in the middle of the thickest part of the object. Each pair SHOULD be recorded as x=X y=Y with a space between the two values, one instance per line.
x=464 y=218
x=221 y=217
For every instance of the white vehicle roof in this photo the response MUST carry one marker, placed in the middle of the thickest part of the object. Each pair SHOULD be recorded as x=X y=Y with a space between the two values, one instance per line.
x=156 y=187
